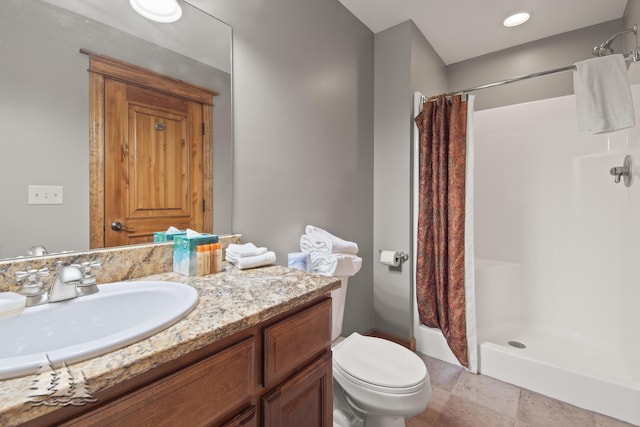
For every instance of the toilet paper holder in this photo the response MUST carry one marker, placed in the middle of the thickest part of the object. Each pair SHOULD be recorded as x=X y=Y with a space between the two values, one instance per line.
x=393 y=258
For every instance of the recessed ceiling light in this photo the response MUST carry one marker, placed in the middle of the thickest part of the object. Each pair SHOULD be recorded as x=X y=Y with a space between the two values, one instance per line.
x=516 y=19
x=158 y=10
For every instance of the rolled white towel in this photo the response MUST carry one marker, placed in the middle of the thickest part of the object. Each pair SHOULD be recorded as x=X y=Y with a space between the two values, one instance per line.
x=336 y=264
x=266 y=258
x=235 y=252
x=318 y=240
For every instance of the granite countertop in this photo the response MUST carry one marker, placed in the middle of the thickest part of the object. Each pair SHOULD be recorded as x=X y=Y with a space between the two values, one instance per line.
x=228 y=303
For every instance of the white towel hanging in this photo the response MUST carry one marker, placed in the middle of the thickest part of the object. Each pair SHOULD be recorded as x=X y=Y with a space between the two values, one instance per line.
x=603 y=95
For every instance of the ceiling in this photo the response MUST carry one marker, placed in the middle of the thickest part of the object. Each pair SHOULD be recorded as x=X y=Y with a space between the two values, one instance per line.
x=463 y=29
x=177 y=36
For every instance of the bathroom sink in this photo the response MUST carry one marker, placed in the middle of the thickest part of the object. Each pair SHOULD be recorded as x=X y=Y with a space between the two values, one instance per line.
x=84 y=327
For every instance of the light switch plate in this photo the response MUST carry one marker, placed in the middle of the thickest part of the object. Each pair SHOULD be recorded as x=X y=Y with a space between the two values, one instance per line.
x=45 y=194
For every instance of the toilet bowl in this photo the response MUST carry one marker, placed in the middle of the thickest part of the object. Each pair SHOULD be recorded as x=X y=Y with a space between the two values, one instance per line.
x=376 y=383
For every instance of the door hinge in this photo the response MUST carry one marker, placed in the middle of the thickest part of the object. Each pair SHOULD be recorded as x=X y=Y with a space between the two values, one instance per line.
x=203 y=205
x=203 y=128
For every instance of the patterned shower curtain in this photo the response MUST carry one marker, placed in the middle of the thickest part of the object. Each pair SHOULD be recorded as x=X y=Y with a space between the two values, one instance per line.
x=440 y=260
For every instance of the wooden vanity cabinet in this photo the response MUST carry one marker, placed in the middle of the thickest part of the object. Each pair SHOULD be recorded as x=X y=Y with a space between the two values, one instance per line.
x=198 y=395
x=300 y=343
x=277 y=373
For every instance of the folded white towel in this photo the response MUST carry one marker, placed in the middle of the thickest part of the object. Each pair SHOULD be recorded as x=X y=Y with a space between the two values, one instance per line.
x=266 y=258
x=248 y=249
x=336 y=264
x=318 y=240
x=603 y=95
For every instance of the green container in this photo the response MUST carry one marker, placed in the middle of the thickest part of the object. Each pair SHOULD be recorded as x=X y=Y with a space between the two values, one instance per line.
x=185 y=261
x=163 y=236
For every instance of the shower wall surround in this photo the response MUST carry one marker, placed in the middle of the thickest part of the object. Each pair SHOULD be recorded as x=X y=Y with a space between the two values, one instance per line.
x=545 y=200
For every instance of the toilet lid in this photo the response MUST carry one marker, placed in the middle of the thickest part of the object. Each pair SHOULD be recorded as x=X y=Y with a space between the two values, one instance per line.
x=379 y=362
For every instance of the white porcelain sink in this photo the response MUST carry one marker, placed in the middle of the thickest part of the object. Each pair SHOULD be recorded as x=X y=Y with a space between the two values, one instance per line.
x=78 y=329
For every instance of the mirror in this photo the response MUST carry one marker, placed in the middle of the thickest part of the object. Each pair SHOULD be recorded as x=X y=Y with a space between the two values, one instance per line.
x=44 y=106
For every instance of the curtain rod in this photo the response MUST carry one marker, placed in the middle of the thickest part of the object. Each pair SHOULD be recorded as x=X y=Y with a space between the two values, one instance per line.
x=519 y=78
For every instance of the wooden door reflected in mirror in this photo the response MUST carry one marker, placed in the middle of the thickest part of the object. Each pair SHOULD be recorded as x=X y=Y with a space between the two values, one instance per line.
x=151 y=153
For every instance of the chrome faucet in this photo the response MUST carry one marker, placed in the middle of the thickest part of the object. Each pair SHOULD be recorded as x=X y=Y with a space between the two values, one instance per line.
x=625 y=171
x=65 y=283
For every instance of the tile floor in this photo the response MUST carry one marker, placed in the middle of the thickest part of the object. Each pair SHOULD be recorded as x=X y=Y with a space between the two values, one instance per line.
x=461 y=399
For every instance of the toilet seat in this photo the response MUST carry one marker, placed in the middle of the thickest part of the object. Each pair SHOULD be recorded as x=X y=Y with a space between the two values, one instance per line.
x=379 y=365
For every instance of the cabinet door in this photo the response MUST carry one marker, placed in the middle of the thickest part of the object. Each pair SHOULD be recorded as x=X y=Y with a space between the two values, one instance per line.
x=202 y=394
x=303 y=400
x=296 y=341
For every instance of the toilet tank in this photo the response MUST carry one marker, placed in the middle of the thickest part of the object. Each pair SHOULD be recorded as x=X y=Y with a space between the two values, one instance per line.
x=338 y=297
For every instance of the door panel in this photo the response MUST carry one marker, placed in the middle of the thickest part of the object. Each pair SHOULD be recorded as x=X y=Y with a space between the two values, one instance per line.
x=159 y=163
x=153 y=163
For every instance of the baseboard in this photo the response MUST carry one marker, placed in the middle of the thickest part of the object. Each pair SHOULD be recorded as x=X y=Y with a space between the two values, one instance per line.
x=408 y=343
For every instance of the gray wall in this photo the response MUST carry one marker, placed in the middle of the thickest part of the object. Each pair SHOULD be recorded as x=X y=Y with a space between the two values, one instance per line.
x=392 y=192
x=552 y=52
x=428 y=71
x=404 y=62
x=44 y=98
x=303 y=129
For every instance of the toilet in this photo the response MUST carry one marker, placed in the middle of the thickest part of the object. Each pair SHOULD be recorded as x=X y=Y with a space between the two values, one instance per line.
x=376 y=383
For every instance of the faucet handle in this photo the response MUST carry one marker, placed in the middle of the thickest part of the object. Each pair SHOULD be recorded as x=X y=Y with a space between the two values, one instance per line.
x=617 y=173
x=23 y=274
x=625 y=171
x=88 y=284
x=89 y=278
x=89 y=264
x=86 y=267
x=33 y=286
x=33 y=275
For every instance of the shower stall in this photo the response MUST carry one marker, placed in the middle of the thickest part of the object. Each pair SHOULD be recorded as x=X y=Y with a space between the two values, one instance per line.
x=557 y=257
